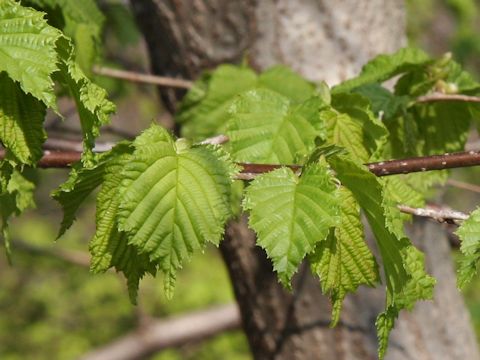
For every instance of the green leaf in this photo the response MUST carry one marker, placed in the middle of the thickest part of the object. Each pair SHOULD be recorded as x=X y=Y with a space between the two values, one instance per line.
x=382 y=100
x=442 y=127
x=204 y=111
x=121 y=23
x=109 y=247
x=286 y=82
x=469 y=234
x=174 y=199
x=292 y=214
x=93 y=106
x=14 y=199
x=107 y=205
x=265 y=127
x=405 y=276
x=343 y=261
x=399 y=191
x=80 y=183
x=82 y=21
x=351 y=124
x=384 y=67
x=21 y=122
x=130 y=261
x=28 y=42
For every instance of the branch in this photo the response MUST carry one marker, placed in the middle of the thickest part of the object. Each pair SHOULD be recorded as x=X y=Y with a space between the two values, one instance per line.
x=447 y=97
x=167 y=333
x=63 y=159
x=143 y=78
x=440 y=214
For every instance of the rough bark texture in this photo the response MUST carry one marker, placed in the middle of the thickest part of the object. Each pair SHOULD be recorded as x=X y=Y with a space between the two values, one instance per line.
x=322 y=39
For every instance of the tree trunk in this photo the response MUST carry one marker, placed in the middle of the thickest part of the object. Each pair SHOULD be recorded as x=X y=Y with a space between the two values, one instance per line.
x=323 y=40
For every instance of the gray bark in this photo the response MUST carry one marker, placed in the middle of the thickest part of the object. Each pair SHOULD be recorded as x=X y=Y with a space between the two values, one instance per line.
x=321 y=39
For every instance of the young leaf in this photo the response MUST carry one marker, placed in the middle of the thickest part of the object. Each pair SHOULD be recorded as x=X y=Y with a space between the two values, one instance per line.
x=82 y=21
x=382 y=100
x=469 y=234
x=27 y=49
x=442 y=127
x=81 y=182
x=93 y=106
x=291 y=215
x=383 y=67
x=21 y=122
x=405 y=276
x=399 y=191
x=106 y=223
x=174 y=198
x=343 y=261
x=109 y=247
x=203 y=113
x=204 y=110
x=351 y=124
x=265 y=127
x=286 y=82
x=14 y=199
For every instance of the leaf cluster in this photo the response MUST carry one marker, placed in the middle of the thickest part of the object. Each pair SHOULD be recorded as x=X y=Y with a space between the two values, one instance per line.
x=162 y=199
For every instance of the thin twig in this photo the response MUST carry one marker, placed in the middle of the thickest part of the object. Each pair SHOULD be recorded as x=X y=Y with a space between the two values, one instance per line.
x=463 y=185
x=440 y=214
x=171 y=332
x=447 y=97
x=425 y=163
x=216 y=140
x=143 y=78
x=63 y=159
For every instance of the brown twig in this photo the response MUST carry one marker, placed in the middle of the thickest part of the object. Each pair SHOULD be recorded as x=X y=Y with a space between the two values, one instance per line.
x=447 y=97
x=143 y=78
x=171 y=332
x=425 y=163
x=63 y=159
x=441 y=214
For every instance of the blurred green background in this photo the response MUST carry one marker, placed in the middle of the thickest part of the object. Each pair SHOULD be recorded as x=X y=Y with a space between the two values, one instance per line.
x=53 y=308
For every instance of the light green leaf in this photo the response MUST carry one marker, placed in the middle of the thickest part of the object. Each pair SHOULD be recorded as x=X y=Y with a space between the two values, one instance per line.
x=93 y=106
x=14 y=199
x=82 y=21
x=131 y=262
x=351 y=124
x=21 y=122
x=384 y=67
x=343 y=261
x=204 y=110
x=405 y=276
x=291 y=215
x=27 y=50
x=382 y=100
x=203 y=113
x=265 y=127
x=399 y=191
x=173 y=200
x=107 y=205
x=80 y=183
x=109 y=247
x=469 y=234
x=443 y=127
x=286 y=82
